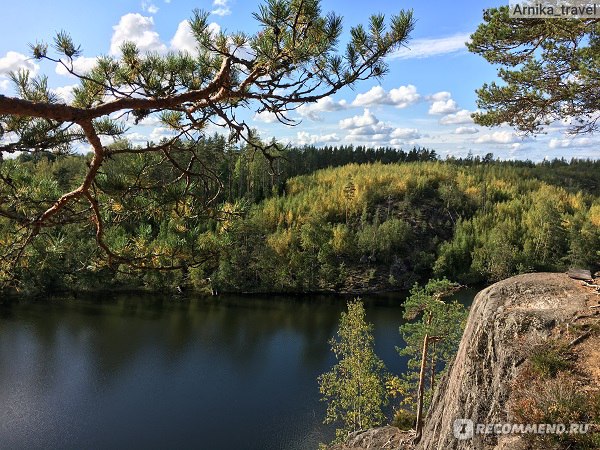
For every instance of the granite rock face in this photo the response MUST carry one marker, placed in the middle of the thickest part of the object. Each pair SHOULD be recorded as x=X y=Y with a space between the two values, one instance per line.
x=477 y=386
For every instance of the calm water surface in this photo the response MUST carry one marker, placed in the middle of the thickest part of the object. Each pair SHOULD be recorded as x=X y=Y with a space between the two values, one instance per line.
x=132 y=372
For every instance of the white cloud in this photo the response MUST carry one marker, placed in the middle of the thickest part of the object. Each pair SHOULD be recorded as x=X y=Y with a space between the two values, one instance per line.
x=149 y=7
x=14 y=61
x=466 y=130
x=266 y=117
x=399 y=97
x=499 y=137
x=65 y=92
x=184 y=39
x=378 y=128
x=442 y=103
x=427 y=47
x=305 y=138
x=440 y=96
x=81 y=65
x=404 y=96
x=160 y=133
x=573 y=142
x=367 y=119
x=138 y=29
x=221 y=8
x=404 y=134
x=326 y=104
x=443 y=107
x=137 y=138
x=368 y=128
x=213 y=28
x=374 y=96
x=461 y=117
x=150 y=121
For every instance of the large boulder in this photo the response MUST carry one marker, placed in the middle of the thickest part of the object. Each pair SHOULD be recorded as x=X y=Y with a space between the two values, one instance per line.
x=478 y=384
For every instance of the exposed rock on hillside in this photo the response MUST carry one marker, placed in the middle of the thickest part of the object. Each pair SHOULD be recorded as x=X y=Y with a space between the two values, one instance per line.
x=502 y=318
x=383 y=438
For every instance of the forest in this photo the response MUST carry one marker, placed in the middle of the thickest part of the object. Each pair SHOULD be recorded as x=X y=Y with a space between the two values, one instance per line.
x=93 y=208
x=333 y=219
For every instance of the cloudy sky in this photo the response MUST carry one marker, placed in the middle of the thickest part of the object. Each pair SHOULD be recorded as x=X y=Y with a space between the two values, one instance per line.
x=426 y=99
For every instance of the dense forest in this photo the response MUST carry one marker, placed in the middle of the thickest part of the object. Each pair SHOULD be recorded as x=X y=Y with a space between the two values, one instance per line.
x=303 y=219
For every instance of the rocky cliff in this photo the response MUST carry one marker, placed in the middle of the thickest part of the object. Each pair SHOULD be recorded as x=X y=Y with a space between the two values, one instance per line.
x=504 y=320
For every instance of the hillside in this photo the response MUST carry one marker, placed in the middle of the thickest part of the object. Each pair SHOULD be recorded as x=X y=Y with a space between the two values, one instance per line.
x=376 y=227
x=355 y=228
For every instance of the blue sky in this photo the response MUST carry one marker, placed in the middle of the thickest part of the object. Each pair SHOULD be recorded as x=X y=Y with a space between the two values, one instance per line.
x=425 y=100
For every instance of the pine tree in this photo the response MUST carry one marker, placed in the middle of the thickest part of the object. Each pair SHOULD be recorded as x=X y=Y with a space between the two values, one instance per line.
x=548 y=69
x=430 y=340
x=293 y=59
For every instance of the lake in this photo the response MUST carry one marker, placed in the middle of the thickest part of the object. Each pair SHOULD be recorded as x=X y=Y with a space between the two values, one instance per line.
x=226 y=372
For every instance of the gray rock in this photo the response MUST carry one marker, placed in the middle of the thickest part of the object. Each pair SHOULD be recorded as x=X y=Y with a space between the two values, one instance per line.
x=477 y=385
x=382 y=438
x=580 y=274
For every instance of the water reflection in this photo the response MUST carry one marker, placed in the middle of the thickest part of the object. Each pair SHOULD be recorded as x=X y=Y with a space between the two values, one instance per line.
x=158 y=372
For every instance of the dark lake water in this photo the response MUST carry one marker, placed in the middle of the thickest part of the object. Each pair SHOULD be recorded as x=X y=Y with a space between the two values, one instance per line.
x=115 y=372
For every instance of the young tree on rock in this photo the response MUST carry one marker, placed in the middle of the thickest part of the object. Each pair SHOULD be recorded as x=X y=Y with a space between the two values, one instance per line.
x=354 y=389
x=431 y=337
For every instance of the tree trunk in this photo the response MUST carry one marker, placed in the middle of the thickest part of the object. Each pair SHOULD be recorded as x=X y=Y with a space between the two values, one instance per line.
x=432 y=368
x=421 y=390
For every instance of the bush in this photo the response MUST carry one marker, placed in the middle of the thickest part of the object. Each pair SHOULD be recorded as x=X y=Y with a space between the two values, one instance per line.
x=404 y=420
x=550 y=358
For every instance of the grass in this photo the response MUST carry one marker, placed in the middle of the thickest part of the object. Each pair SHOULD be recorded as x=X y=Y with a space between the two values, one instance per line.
x=557 y=400
x=550 y=359
x=547 y=390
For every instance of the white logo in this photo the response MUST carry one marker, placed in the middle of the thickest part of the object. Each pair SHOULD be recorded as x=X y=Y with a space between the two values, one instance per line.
x=463 y=429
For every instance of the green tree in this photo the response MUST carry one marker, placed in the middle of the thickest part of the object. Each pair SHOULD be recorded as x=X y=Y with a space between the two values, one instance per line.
x=349 y=194
x=430 y=340
x=354 y=389
x=550 y=70
x=499 y=254
x=585 y=241
x=455 y=256
x=293 y=59
x=545 y=241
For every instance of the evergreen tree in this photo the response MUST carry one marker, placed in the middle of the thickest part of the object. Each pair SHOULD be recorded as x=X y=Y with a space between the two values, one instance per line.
x=430 y=341
x=548 y=69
